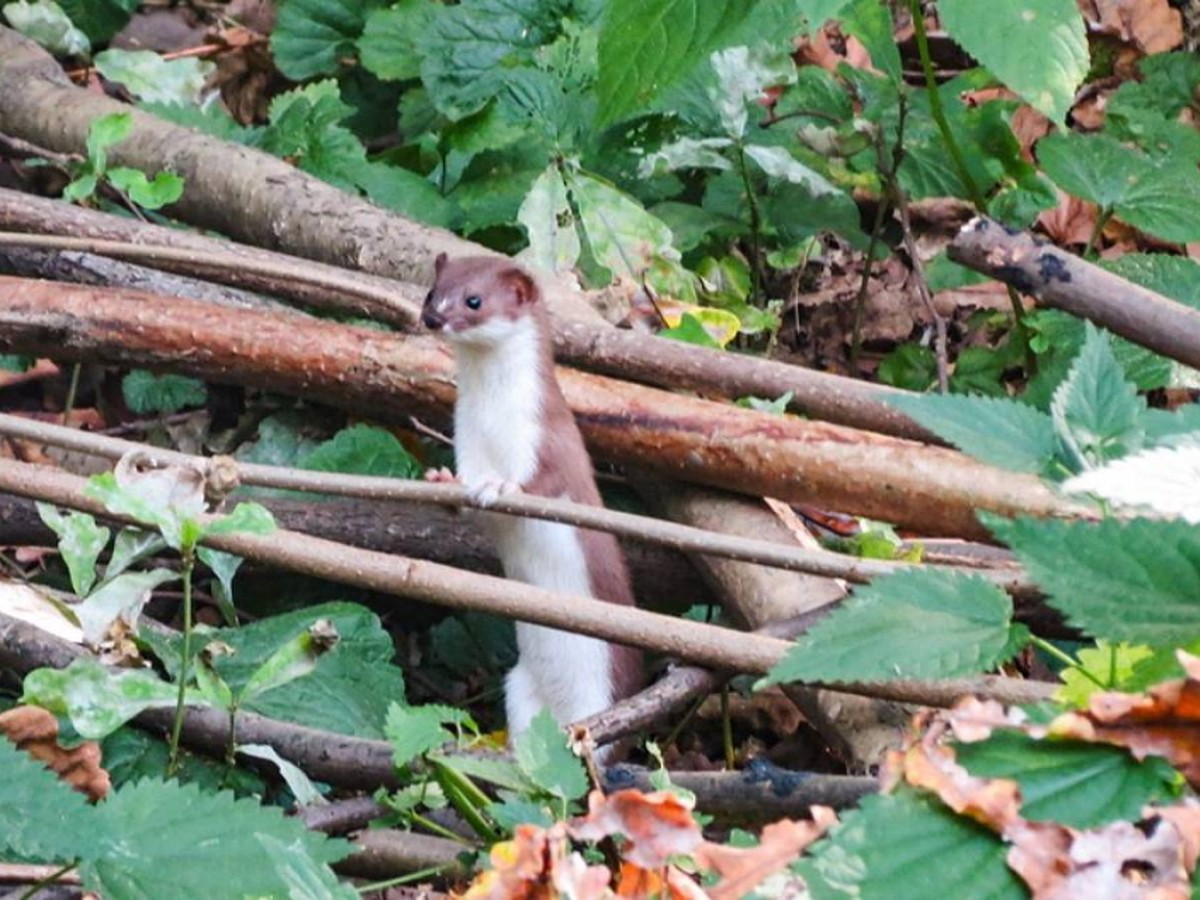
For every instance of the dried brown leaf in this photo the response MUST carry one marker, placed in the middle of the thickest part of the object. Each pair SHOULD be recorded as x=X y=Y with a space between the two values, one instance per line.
x=744 y=868
x=1152 y=26
x=35 y=731
x=657 y=826
x=992 y=802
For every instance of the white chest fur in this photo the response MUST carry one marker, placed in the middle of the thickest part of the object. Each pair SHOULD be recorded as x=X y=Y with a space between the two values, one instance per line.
x=497 y=420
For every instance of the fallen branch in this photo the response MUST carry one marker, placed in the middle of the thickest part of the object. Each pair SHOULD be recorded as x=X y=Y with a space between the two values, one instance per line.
x=641 y=528
x=709 y=645
x=1063 y=281
x=929 y=489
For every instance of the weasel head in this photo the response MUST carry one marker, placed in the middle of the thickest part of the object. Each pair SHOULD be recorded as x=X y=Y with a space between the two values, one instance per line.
x=479 y=301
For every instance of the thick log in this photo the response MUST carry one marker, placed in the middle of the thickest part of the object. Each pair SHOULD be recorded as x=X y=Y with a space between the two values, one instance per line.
x=933 y=490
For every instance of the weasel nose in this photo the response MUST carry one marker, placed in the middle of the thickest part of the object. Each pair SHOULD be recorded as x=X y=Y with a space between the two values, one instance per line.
x=432 y=319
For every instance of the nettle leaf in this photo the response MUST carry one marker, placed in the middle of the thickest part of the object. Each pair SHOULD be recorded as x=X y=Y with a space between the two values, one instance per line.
x=153 y=79
x=1096 y=572
x=891 y=846
x=45 y=22
x=647 y=44
x=914 y=624
x=99 y=700
x=295 y=659
x=304 y=128
x=1077 y=784
x=1165 y=480
x=623 y=236
x=1097 y=414
x=549 y=224
x=41 y=817
x=1173 y=429
x=393 y=40
x=415 y=730
x=165 y=188
x=363 y=450
x=146 y=393
x=543 y=755
x=1157 y=195
x=162 y=839
x=1058 y=338
x=408 y=193
x=1038 y=47
x=311 y=37
x=80 y=541
x=1177 y=277
x=911 y=367
x=1000 y=432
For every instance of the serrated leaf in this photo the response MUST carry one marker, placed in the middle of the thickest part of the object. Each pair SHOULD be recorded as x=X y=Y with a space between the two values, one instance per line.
x=542 y=754
x=1079 y=785
x=415 y=730
x=647 y=44
x=41 y=817
x=99 y=700
x=312 y=36
x=153 y=79
x=1002 y=433
x=1095 y=572
x=549 y=224
x=147 y=393
x=891 y=846
x=45 y=22
x=1165 y=480
x=80 y=541
x=164 y=188
x=1097 y=414
x=1157 y=195
x=166 y=840
x=511 y=813
x=363 y=450
x=392 y=42
x=910 y=366
x=1037 y=47
x=304 y=129
x=914 y=624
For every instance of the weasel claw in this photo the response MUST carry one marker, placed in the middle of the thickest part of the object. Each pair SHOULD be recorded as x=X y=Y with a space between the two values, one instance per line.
x=487 y=493
x=441 y=476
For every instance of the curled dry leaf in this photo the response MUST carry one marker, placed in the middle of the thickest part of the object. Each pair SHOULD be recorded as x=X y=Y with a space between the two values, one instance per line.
x=164 y=486
x=35 y=731
x=744 y=868
x=1152 y=858
x=973 y=720
x=656 y=826
x=1163 y=722
x=1152 y=26
x=537 y=865
x=992 y=802
x=669 y=883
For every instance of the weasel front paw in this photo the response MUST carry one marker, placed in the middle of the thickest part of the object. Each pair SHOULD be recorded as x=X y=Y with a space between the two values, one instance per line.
x=486 y=493
x=441 y=476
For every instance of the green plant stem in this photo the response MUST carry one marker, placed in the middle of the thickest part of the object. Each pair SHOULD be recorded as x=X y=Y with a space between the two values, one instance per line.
x=860 y=301
x=47 y=881
x=72 y=391
x=440 y=830
x=1089 y=251
x=189 y=562
x=727 y=729
x=419 y=875
x=755 y=227
x=1066 y=659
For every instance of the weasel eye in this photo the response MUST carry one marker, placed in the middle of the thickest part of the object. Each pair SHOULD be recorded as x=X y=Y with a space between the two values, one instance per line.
x=473 y=302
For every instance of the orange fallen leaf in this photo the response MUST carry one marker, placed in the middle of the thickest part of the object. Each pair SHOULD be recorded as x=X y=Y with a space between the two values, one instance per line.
x=743 y=868
x=992 y=802
x=656 y=826
x=35 y=731
x=1152 y=26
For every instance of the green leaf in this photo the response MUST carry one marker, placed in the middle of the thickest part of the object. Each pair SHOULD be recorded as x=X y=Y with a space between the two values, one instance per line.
x=100 y=19
x=415 y=730
x=363 y=450
x=893 y=844
x=914 y=624
x=301 y=786
x=311 y=37
x=1177 y=277
x=980 y=370
x=80 y=541
x=146 y=393
x=165 y=840
x=153 y=79
x=1159 y=196
x=130 y=546
x=1002 y=433
x=910 y=366
x=304 y=129
x=408 y=193
x=1094 y=571
x=1105 y=667
x=690 y=330
x=1097 y=414
x=164 y=503
x=392 y=42
x=871 y=22
x=81 y=188
x=743 y=75
x=122 y=598
x=1038 y=47
x=549 y=224
x=45 y=22
x=543 y=755
x=646 y=44
x=295 y=659
x=167 y=187
x=623 y=237
x=1077 y=784
x=98 y=700
x=511 y=813
x=252 y=518
x=131 y=755
x=778 y=163
x=41 y=817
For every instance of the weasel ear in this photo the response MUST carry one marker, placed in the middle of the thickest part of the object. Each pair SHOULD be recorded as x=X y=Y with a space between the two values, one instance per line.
x=439 y=263
x=522 y=285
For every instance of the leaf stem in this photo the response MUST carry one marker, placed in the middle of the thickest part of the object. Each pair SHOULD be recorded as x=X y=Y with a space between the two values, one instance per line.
x=755 y=226
x=1066 y=659
x=189 y=563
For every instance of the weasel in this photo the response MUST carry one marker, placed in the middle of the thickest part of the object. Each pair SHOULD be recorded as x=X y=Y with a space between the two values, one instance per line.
x=514 y=431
